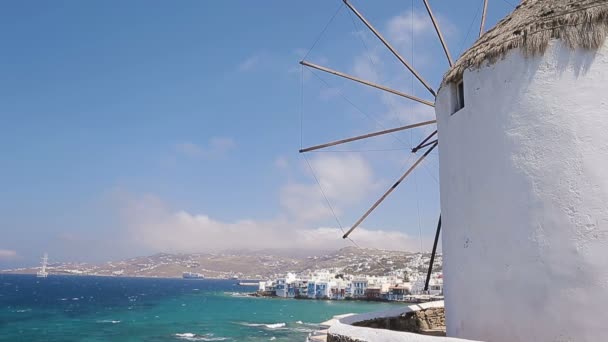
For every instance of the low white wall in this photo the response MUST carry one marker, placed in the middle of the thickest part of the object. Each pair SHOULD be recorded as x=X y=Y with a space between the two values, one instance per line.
x=524 y=199
x=344 y=327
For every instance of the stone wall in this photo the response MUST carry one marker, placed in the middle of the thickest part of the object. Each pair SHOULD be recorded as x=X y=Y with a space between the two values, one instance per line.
x=414 y=323
x=340 y=338
x=432 y=319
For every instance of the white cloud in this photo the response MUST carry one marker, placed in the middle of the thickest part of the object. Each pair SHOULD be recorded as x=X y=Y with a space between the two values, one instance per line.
x=348 y=177
x=401 y=27
x=7 y=254
x=153 y=225
x=399 y=31
x=304 y=202
x=367 y=67
x=216 y=147
x=345 y=180
x=406 y=113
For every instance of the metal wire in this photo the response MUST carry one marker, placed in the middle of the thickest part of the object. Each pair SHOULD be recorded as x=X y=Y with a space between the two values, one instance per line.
x=378 y=123
x=324 y=29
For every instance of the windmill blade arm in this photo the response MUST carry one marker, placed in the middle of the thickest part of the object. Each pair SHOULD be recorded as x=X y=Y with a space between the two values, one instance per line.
x=385 y=42
x=429 y=143
x=436 y=25
x=415 y=149
x=368 y=83
x=483 y=17
x=388 y=192
x=365 y=136
x=430 y=270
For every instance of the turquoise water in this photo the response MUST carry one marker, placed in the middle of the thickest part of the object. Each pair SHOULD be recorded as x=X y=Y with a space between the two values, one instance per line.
x=62 y=308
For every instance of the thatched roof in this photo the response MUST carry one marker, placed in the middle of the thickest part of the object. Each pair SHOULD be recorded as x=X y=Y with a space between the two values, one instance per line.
x=578 y=23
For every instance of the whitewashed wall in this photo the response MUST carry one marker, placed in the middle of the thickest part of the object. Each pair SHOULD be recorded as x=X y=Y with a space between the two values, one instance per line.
x=524 y=199
x=343 y=327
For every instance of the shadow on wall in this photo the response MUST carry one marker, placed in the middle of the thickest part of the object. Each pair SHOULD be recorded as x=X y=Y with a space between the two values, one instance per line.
x=579 y=61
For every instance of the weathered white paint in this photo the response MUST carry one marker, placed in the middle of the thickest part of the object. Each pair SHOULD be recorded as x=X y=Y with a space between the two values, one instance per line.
x=343 y=326
x=524 y=199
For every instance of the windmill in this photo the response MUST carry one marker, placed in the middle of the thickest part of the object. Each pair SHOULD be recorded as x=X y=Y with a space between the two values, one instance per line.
x=428 y=144
x=524 y=196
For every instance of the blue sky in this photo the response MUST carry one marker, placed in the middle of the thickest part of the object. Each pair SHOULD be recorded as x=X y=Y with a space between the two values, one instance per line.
x=137 y=127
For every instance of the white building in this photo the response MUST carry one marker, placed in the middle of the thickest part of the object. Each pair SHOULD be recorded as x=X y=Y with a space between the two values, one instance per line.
x=281 y=288
x=523 y=136
x=338 y=289
x=398 y=293
x=282 y=285
x=358 y=285
x=262 y=286
x=435 y=286
x=311 y=291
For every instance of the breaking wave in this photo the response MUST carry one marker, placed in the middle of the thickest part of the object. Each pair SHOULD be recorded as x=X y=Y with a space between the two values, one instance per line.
x=194 y=337
x=307 y=323
x=268 y=326
x=303 y=330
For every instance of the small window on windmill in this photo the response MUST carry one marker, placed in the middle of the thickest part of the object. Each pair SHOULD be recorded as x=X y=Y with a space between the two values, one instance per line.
x=458 y=97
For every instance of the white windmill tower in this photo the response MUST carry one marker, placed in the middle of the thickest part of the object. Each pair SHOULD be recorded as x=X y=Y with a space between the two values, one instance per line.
x=522 y=121
x=523 y=130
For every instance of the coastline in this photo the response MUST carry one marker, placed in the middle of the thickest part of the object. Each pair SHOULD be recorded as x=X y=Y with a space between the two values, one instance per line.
x=156 y=310
x=2 y=272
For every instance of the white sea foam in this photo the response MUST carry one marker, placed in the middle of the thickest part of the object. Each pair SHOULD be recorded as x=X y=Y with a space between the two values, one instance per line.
x=251 y=324
x=269 y=326
x=185 y=335
x=108 y=321
x=194 y=337
x=307 y=323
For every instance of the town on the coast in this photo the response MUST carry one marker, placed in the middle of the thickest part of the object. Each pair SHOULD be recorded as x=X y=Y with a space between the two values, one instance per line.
x=328 y=285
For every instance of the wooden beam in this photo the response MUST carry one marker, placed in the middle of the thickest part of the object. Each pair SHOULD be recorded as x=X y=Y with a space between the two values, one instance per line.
x=430 y=270
x=443 y=43
x=365 y=136
x=368 y=83
x=385 y=42
x=388 y=192
x=415 y=149
x=429 y=143
x=483 y=17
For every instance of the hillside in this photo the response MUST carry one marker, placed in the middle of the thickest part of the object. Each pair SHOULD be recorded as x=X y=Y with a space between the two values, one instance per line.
x=252 y=265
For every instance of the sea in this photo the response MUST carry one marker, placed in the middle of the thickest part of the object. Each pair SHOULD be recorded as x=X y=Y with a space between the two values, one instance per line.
x=83 y=308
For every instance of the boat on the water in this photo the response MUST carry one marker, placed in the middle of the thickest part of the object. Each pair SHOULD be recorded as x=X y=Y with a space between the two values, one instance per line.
x=248 y=283
x=42 y=273
x=192 y=275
